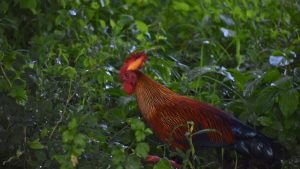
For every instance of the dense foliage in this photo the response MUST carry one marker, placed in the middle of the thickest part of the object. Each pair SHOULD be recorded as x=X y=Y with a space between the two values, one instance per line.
x=61 y=102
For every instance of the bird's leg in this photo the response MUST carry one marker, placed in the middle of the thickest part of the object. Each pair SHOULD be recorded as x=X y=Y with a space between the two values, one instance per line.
x=155 y=159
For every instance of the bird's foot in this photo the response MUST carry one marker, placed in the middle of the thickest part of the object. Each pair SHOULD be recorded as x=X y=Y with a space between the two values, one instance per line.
x=155 y=159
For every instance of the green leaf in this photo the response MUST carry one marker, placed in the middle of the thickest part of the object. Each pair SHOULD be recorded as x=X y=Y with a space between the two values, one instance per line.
x=133 y=162
x=148 y=131
x=95 y=5
x=136 y=124
x=80 y=140
x=3 y=8
x=266 y=99
x=240 y=78
x=181 y=6
x=265 y=121
x=70 y=72
x=288 y=102
x=142 y=149
x=67 y=136
x=118 y=156
x=28 y=4
x=112 y=23
x=18 y=92
x=72 y=124
x=62 y=3
x=163 y=164
x=35 y=144
x=271 y=76
x=140 y=135
x=237 y=11
x=141 y=26
x=44 y=132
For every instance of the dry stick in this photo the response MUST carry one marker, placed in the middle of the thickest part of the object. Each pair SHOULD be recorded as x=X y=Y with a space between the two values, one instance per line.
x=64 y=111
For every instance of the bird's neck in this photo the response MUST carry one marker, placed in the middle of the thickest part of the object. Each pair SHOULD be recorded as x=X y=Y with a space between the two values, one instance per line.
x=150 y=94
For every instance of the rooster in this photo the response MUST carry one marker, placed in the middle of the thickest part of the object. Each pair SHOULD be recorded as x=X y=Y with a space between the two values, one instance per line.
x=168 y=113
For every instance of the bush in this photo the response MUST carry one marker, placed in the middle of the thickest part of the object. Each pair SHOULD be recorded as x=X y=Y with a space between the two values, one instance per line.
x=62 y=105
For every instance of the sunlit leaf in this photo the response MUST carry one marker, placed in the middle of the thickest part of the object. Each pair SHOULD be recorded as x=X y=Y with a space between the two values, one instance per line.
x=35 y=144
x=95 y=5
x=141 y=26
x=181 y=6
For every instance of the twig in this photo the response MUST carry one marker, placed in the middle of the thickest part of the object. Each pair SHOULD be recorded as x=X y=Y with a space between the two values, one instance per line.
x=5 y=76
x=64 y=111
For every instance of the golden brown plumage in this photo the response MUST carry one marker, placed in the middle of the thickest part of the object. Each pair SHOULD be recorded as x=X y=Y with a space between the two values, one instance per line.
x=169 y=113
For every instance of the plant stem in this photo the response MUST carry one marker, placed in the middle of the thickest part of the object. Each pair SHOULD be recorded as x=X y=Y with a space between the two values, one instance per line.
x=5 y=76
x=64 y=111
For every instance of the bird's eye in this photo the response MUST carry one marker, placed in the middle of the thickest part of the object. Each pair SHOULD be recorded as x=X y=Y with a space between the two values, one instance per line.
x=126 y=75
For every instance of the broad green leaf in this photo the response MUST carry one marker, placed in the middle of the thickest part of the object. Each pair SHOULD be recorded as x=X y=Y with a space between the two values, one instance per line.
x=18 y=92
x=102 y=23
x=141 y=26
x=73 y=124
x=142 y=149
x=181 y=6
x=95 y=5
x=133 y=162
x=163 y=164
x=240 y=78
x=271 y=76
x=237 y=11
x=28 y=4
x=70 y=72
x=265 y=121
x=35 y=144
x=148 y=131
x=112 y=23
x=266 y=99
x=80 y=140
x=136 y=124
x=288 y=102
x=118 y=156
x=44 y=132
x=3 y=8
x=62 y=3
x=140 y=135
x=67 y=136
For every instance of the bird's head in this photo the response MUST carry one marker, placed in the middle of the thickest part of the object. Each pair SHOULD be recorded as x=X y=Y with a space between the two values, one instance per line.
x=128 y=72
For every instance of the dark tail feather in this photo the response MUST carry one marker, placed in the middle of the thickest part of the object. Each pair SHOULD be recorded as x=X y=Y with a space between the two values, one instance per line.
x=262 y=148
x=255 y=145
